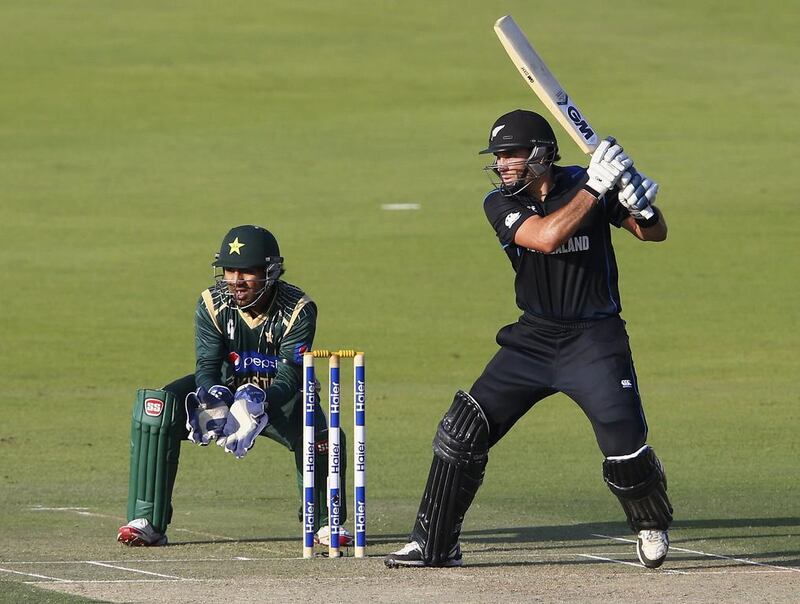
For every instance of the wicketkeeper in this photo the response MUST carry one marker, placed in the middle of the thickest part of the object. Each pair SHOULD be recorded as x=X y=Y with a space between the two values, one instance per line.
x=553 y=223
x=251 y=330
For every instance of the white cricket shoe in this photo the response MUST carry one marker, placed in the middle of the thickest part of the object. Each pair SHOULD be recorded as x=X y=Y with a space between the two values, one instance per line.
x=323 y=537
x=411 y=555
x=652 y=547
x=140 y=532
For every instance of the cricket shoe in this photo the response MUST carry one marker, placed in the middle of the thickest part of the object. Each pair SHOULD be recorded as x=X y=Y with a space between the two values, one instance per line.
x=323 y=537
x=652 y=547
x=140 y=532
x=411 y=555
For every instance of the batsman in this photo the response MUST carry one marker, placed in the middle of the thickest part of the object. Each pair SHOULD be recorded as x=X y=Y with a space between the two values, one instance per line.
x=553 y=223
x=251 y=330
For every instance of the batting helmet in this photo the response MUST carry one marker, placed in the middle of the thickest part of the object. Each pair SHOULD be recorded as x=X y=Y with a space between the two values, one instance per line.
x=520 y=129
x=248 y=246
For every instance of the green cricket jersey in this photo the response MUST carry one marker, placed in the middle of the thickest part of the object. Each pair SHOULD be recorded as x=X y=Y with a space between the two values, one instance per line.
x=234 y=348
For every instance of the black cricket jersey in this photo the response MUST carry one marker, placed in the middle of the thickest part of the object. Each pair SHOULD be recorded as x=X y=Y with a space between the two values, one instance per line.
x=576 y=282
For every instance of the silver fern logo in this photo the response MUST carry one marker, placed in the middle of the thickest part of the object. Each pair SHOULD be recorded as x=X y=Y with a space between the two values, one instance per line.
x=512 y=218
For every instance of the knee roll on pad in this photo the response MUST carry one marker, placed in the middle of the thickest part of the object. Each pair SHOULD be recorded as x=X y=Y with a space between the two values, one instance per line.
x=461 y=449
x=462 y=437
x=156 y=432
x=640 y=484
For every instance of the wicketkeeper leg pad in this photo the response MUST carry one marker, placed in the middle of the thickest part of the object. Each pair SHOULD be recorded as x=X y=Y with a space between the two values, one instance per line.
x=461 y=451
x=156 y=432
x=639 y=482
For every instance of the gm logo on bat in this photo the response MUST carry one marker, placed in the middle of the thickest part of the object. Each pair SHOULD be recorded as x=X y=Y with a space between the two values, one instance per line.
x=576 y=117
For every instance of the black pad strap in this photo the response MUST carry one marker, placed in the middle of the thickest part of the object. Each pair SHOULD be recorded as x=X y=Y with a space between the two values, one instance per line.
x=640 y=484
x=461 y=449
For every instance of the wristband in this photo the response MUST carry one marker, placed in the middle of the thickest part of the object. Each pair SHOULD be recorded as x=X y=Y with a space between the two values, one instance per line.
x=591 y=191
x=646 y=223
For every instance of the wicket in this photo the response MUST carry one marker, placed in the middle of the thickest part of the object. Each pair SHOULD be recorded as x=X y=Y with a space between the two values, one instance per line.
x=334 y=450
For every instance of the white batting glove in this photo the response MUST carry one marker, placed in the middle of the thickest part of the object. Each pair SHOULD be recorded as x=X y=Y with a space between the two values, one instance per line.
x=207 y=413
x=248 y=417
x=608 y=163
x=637 y=193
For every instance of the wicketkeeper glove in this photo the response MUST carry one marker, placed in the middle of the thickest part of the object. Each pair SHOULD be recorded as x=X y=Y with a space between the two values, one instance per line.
x=206 y=413
x=248 y=417
x=608 y=163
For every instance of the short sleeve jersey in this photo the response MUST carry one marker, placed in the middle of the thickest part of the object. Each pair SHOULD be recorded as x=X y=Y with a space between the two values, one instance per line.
x=576 y=282
x=233 y=348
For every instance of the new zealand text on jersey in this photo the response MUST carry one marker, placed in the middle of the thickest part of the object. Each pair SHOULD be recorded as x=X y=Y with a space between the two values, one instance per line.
x=573 y=244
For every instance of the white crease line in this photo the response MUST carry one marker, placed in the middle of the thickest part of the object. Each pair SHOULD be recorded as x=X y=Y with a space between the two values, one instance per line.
x=743 y=560
x=720 y=556
x=276 y=580
x=61 y=581
x=604 y=559
x=174 y=560
x=133 y=570
x=735 y=572
x=151 y=560
x=639 y=566
x=204 y=534
x=82 y=512
x=16 y=572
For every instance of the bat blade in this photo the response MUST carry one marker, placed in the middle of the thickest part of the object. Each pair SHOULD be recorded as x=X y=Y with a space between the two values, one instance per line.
x=539 y=77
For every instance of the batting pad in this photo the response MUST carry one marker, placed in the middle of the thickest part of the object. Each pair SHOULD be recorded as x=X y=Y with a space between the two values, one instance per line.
x=156 y=432
x=639 y=482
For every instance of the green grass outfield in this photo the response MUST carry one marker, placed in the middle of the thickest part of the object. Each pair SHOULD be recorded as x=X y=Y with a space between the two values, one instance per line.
x=133 y=135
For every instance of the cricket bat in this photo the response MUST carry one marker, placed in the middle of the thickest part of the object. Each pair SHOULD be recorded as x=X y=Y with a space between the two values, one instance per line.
x=536 y=73
x=539 y=77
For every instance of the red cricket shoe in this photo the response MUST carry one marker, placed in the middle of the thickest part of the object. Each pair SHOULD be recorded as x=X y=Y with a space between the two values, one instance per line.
x=140 y=532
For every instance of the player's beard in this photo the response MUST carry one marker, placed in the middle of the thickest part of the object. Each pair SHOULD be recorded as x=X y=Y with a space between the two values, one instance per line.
x=243 y=297
x=529 y=176
x=531 y=173
x=246 y=298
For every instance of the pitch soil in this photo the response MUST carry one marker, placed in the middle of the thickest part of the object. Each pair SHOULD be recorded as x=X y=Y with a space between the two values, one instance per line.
x=484 y=579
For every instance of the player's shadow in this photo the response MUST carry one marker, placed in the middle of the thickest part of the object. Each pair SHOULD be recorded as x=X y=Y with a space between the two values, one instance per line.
x=221 y=541
x=570 y=536
x=564 y=537
x=582 y=531
x=575 y=536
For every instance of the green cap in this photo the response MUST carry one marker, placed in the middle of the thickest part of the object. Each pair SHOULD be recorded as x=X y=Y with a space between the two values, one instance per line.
x=247 y=246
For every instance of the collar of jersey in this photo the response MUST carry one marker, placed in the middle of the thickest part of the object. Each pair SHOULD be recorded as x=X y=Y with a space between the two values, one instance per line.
x=252 y=322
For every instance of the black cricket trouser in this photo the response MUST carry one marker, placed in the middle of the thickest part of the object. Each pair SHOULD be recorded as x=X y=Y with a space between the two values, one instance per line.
x=589 y=362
